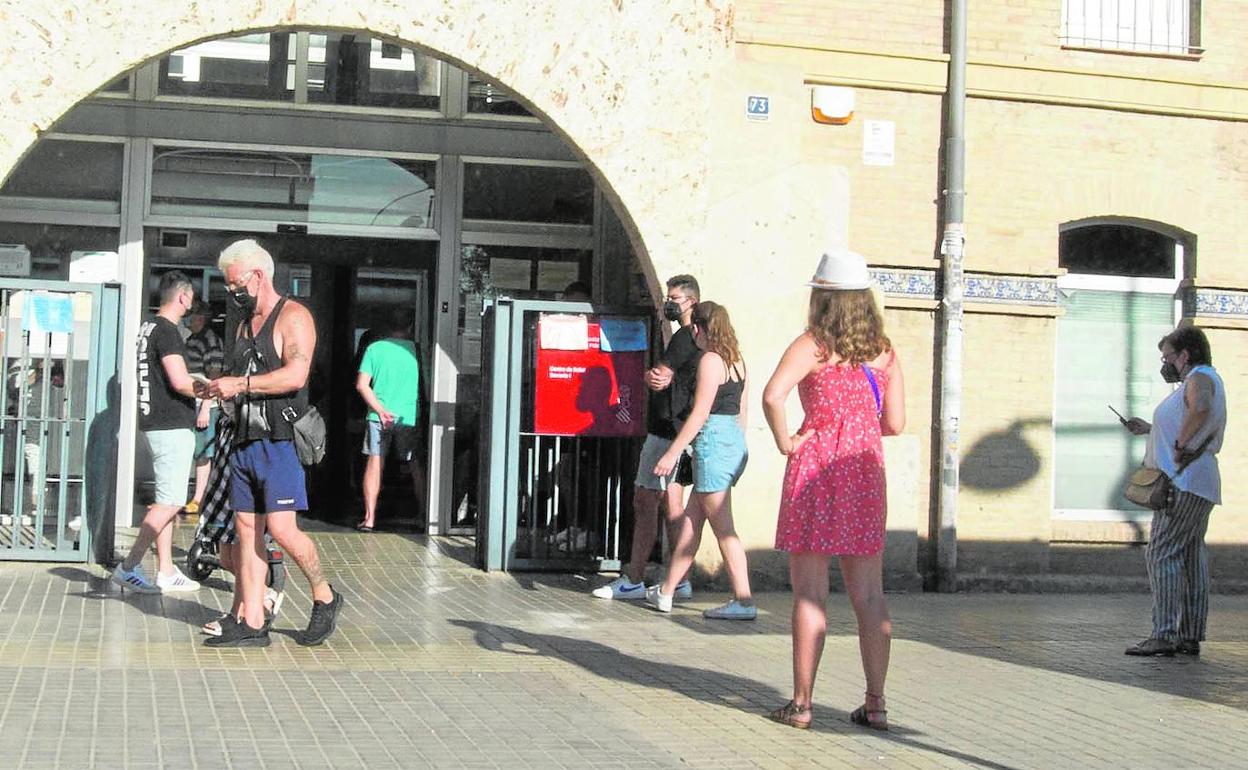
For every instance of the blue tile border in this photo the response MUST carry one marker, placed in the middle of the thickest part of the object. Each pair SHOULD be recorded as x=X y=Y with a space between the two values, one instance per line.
x=1222 y=303
x=920 y=283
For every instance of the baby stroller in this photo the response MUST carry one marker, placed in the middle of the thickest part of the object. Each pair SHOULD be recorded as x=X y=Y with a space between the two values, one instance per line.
x=216 y=517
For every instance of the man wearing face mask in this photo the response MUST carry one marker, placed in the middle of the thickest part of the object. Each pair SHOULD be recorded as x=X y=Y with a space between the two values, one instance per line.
x=166 y=421
x=671 y=384
x=267 y=383
x=1183 y=441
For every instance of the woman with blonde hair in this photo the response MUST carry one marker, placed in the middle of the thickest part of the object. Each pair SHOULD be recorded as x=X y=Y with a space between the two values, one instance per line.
x=833 y=503
x=714 y=427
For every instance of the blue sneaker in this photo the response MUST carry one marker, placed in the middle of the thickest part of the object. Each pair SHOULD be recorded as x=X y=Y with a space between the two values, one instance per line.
x=621 y=588
x=684 y=590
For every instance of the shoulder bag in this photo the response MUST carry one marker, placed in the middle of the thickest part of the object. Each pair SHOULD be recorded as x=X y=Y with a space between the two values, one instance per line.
x=1152 y=488
x=309 y=430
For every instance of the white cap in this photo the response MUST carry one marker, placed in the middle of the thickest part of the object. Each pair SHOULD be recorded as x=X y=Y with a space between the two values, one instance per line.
x=841 y=269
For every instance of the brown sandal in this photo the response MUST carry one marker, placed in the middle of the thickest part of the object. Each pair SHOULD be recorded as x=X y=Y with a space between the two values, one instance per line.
x=788 y=715
x=875 y=719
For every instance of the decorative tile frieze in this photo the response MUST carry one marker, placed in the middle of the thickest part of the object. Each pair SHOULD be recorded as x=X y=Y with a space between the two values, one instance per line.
x=1223 y=303
x=919 y=283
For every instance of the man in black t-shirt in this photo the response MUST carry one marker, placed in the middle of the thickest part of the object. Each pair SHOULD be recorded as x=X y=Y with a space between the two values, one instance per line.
x=671 y=384
x=166 y=425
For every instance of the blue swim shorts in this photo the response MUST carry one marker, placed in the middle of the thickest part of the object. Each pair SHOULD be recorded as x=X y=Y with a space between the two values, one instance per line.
x=267 y=477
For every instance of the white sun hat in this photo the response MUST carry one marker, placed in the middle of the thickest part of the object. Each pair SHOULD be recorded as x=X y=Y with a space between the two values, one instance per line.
x=841 y=269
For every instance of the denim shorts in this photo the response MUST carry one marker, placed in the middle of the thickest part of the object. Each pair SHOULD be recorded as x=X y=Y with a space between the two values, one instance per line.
x=173 y=453
x=377 y=440
x=719 y=454
x=267 y=477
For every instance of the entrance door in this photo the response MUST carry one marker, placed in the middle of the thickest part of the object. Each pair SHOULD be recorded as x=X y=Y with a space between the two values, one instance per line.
x=58 y=344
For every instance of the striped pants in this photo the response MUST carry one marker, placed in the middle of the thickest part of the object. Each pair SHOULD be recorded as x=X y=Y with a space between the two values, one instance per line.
x=1178 y=568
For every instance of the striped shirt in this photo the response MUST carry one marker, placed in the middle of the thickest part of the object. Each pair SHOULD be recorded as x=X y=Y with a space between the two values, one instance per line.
x=204 y=352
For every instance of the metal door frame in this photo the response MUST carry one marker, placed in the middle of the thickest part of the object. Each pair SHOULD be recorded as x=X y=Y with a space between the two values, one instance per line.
x=103 y=347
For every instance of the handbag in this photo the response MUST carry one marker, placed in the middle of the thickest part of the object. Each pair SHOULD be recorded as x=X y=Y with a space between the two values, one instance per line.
x=310 y=433
x=1152 y=488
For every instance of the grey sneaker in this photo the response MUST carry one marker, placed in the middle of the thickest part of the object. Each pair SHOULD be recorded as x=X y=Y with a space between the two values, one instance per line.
x=684 y=590
x=135 y=579
x=733 y=610
x=1151 y=648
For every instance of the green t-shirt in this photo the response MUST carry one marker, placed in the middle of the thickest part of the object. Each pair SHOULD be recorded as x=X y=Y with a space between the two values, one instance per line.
x=395 y=370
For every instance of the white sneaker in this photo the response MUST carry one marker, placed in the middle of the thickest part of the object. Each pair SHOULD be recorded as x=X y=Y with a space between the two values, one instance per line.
x=621 y=588
x=684 y=590
x=177 y=583
x=656 y=599
x=733 y=610
x=134 y=579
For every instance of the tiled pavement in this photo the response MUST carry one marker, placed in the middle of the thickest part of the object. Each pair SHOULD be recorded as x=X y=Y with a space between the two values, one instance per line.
x=438 y=665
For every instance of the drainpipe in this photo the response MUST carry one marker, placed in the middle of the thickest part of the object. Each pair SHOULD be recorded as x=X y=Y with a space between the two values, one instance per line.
x=952 y=248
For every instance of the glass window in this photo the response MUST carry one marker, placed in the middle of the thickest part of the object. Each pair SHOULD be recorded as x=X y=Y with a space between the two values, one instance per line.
x=293 y=187
x=522 y=193
x=1119 y=250
x=1158 y=26
x=119 y=86
x=1106 y=355
x=53 y=247
x=66 y=175
x=345 y=68
x=485 y=97
x=256 y=66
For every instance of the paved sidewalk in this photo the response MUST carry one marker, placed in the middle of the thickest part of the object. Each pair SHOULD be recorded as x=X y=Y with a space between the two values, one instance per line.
x=438 y=665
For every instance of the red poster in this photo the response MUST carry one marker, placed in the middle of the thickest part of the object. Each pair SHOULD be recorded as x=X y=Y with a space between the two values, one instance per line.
x=590 y=391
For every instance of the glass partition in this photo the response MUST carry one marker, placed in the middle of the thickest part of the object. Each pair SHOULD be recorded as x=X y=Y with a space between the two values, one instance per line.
x=256 y=66
x=514 y=192
x=345 y=68
x=67 y=175
x=293 y=187
x=486 y=98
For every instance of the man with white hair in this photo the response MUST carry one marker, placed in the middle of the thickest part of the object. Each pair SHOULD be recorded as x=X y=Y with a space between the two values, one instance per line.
x=267 y=380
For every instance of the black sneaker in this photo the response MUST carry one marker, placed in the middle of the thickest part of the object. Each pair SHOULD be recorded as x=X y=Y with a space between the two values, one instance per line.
x=323 y=621
x=236 y=633
x=1151 y=648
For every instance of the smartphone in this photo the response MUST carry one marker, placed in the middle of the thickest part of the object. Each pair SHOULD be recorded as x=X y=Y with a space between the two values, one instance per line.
x=1121 y=419
x=201 y=379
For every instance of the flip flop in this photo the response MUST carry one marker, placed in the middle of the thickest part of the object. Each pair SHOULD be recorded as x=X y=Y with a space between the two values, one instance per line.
x=362 y=527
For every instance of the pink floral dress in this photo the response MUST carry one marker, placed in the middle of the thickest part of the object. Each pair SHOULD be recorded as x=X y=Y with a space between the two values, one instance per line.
x=833 y=498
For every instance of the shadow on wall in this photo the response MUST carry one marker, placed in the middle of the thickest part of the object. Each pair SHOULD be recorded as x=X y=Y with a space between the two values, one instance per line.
x=101 y=476
x=1003 y=459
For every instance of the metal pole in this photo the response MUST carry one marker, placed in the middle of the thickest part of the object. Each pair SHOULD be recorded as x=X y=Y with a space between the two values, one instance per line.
x=953 y=246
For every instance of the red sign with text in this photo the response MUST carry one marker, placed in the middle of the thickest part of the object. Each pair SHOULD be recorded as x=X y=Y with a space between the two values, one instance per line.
x=590 y=382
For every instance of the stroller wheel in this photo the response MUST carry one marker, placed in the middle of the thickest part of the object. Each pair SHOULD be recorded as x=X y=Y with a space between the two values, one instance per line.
x=197 y=568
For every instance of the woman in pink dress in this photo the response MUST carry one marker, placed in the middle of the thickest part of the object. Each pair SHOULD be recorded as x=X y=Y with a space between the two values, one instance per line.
x=833 y=501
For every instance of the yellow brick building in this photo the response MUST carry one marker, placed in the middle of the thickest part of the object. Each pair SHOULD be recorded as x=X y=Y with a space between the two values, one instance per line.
x=1081 y=129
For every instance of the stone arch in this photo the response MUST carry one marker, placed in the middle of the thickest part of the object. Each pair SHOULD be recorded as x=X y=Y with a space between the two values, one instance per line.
x=1187 y=240
x=610 y=76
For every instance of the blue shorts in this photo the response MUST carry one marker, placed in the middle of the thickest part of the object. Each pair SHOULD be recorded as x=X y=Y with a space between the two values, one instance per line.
x=205 y=438
x=719 y=454
x=266 y=477
x=378 y=440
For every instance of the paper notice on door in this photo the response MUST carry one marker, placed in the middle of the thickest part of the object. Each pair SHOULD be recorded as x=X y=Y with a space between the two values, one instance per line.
x=878 y=142
x=563 y=332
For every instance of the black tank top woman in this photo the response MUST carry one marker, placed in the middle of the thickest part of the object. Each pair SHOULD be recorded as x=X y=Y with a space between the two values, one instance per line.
x=264 y=417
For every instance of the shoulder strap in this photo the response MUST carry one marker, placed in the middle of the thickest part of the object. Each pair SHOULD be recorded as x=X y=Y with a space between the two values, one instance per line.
x=875 y=389
x=1195 y=456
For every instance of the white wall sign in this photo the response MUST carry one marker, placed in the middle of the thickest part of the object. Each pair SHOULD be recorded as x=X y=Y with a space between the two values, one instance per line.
x=758 y=107
x=878 y=141
x=94 y=267
x=14 y=260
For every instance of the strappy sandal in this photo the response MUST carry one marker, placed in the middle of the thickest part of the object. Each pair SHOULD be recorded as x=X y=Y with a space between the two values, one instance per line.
x=788 y=715
x=875 y=719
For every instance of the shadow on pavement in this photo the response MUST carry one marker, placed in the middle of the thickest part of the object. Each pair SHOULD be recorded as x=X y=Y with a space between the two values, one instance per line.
x=714 y=687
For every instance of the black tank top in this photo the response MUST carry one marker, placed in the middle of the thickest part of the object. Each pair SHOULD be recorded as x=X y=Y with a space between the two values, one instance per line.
x=258 y=355
x=728 y=397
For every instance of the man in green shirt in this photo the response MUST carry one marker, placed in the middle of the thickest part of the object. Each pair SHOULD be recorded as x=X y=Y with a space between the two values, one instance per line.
x=389 y=382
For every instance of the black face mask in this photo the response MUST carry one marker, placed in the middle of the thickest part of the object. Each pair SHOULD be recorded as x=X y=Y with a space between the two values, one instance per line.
x=243 y=300
x=1170 y=373
x=671 y=310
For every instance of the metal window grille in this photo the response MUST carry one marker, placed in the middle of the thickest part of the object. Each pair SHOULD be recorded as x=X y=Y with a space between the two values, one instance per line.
x=1145 y=26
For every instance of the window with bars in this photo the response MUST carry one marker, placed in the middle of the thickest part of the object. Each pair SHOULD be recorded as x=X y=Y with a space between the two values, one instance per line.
x=1144 y=26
